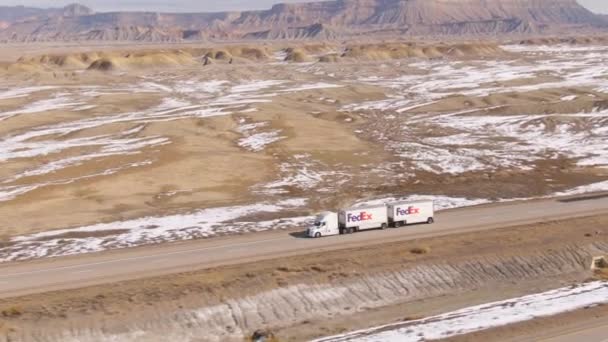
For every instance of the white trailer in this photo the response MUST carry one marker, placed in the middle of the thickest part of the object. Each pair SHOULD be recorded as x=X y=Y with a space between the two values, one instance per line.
x=362 y=218
x=394 y=214
x=402 y=213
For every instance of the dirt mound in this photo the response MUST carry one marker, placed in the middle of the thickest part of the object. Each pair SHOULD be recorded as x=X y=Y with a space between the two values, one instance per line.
x=582 y=40
x=68 y=61
x=297 y=56
x=221 y=55
x=143 y=60
x=330 y=58
x=232 y=52
x=318 y=48
x=24 y=67
x=103 y=64
x=252 y=53
x=409 y=50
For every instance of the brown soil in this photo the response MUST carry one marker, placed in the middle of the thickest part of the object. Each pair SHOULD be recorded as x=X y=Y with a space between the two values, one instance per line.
x=147 y=58
x=346 y=154
x=297 y=56
x=387 y=51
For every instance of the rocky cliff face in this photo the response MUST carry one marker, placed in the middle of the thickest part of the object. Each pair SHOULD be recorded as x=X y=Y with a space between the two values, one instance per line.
x=305 y=20
x=315 y=31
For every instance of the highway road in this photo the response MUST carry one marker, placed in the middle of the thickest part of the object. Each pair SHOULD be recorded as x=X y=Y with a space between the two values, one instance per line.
x=42 y=275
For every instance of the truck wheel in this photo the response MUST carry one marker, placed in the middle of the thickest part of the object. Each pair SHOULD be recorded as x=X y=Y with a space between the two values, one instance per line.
x=383 y=226
x=349 y=230
x=430 y=220
x=317 y=235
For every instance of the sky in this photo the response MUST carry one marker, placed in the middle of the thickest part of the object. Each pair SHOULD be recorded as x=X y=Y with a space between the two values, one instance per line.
x=600 y=6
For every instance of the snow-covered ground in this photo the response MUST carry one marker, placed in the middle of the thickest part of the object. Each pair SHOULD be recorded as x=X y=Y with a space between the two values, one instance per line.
x=304 y=173
x=256 y=142
x=484 y=316
x=14 y=92
x=525 y=138
x=207 y=223
x=58 y=102
x=181 y=99
x=467 y=140
x=147 y=230
x=474 y=142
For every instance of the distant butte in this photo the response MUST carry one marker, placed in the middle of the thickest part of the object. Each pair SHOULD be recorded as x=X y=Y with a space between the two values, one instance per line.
x=328 y=20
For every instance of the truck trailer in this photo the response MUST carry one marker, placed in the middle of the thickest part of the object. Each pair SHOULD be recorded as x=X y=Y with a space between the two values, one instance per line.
x=392 y=214
x=362 y=218
x=402 y=213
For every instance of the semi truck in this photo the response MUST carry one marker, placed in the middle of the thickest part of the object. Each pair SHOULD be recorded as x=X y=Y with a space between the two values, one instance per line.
x=351 y=220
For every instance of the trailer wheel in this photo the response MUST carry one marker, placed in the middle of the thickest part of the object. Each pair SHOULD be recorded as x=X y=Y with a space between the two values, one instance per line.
x=317 y=235
x=430 y=220
x=349 y=230
x=383 y=226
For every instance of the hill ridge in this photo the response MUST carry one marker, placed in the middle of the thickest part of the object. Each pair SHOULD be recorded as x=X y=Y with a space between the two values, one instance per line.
x=338 y=19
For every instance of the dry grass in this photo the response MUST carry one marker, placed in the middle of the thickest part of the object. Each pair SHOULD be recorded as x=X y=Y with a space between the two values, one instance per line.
x=420 y=250
x=263 y=336
x=297 y=56
x=331 y=58
x=11 y=312
x=601 y=274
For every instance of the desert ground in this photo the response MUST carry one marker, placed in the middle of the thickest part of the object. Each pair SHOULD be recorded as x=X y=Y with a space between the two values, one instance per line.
x=107 y=147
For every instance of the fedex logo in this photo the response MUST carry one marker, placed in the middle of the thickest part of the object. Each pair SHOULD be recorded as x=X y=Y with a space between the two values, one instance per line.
x=362 y=216
x=408 y=211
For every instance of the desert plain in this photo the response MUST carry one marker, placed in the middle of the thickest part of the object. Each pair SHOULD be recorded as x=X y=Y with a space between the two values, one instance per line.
x=108 y=147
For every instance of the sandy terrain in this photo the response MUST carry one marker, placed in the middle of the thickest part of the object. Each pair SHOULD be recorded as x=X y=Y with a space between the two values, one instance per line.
x=154 y=138
x=319 y=294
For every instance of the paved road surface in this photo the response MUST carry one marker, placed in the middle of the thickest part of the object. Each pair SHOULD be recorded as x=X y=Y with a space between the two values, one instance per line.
x=78 y=271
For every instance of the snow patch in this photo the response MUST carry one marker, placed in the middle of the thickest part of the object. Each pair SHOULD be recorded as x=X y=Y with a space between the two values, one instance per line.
x=569 y=98
x=312 y=86
x=486 y=316
x=23 y=92
x=147 y=230
x=258 y=141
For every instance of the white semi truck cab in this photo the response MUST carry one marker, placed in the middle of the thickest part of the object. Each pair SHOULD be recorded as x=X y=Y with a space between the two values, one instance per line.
x=394 y=214
x=326 y=223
